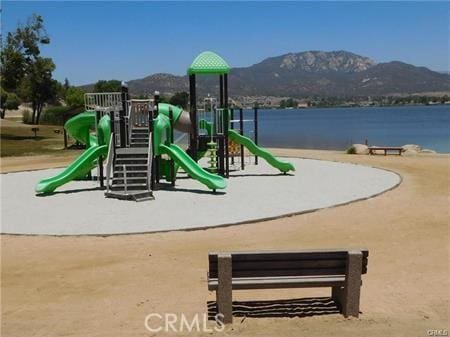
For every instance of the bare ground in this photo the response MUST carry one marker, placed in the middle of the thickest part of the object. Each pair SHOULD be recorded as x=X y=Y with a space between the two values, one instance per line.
x=105 y=286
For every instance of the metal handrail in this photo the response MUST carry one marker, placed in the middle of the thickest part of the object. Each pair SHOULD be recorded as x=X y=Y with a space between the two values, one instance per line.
x=102 y=101
x=138 y=114
x=125 y=178
x=218 y=121
x=149 y=162
x=129 y=128
x=109 y=161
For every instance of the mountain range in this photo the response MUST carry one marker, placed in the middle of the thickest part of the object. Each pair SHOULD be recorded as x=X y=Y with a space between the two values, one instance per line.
x=307 y=74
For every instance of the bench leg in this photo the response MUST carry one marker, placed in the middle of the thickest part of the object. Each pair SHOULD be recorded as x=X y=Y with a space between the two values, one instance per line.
x=352 y=288
x=337 y=294
x=224 y=291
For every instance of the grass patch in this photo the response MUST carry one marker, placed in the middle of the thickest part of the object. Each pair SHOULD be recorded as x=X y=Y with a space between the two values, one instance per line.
x=4 y=136
x=17 y=139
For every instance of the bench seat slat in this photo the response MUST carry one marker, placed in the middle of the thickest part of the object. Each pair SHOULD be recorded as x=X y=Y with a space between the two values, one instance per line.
x=261 y=271
x=313 y=254
x=287 y=263
x=281 y=282
x=393 y=148
x=243 y=272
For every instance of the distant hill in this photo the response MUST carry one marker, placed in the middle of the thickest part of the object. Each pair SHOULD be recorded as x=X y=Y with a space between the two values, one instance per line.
x=311 y=73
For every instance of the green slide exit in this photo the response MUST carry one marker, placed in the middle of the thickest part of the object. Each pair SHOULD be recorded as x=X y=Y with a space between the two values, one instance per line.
x=283 y=166
x=79 y=128
x=175 y=152
x=78 y=169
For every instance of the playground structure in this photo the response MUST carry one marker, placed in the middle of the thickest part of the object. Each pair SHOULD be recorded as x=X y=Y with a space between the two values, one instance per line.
x=136 y=139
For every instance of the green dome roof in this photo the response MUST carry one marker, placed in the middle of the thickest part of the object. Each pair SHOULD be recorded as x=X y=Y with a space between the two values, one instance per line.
x=209 y=63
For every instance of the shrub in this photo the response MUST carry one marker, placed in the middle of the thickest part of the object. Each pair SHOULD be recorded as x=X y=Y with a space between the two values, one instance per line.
x=351 y=150
x=58 y=115
x=12 y=101
x=75 y=97
x=54 y=115
x=8 y=101
x=26 y=116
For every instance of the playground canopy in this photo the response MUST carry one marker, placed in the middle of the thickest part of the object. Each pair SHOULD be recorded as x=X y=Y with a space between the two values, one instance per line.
x=209 y=62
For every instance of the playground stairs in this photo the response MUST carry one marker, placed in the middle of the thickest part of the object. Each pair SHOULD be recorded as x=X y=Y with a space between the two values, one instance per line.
x=130 y=179
x=139 y=137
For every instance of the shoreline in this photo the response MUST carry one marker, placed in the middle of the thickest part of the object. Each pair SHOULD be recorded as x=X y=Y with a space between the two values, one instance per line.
x=13 y=164
x=350 y=106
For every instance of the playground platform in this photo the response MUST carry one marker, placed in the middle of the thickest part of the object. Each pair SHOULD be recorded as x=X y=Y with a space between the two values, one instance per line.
x=260 y=192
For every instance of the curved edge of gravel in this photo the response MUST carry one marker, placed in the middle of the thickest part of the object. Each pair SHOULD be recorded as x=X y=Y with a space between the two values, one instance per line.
x=238 y=223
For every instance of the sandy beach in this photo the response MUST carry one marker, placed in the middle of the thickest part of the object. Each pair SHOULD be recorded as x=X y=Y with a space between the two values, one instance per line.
x=106 y=286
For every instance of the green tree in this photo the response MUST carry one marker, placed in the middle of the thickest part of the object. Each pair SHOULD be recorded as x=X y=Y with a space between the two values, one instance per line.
x=291 y=103
x=60 y=94
x=75 y=97
x=66 y=83
x=3 y=98
x=107 y=86
x=12 y=101
x=180 y=99
x=8 y=100
x=24 y=71
x=13 y=65
x=38 y=87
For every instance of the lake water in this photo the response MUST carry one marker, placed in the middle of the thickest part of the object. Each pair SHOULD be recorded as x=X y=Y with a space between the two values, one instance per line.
x=338 y=128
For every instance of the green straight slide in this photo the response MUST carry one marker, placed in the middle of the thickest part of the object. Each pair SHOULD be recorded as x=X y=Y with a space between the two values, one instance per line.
x=78 y=169
x=283 y=166
x=189 y=165
x=79 y=128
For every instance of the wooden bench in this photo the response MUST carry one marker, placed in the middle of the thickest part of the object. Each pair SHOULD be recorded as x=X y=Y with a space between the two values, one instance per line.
x=338 y=269
x=386 y=149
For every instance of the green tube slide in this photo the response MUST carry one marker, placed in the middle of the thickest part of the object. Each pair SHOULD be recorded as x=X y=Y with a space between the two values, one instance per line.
x=79 y=128
x=283 y=166
x=189 y=165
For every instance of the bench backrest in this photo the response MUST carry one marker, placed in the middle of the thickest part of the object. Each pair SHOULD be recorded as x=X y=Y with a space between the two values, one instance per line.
x=287 y=263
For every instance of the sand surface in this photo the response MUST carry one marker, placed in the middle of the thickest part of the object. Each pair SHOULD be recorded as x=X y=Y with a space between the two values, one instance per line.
x=105 y=286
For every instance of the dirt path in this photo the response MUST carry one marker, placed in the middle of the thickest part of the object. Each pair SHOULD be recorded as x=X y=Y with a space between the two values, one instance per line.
x=105 y=286
x=39 y=162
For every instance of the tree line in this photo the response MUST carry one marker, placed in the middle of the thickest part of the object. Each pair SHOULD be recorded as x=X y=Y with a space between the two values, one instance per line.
x=27 y=76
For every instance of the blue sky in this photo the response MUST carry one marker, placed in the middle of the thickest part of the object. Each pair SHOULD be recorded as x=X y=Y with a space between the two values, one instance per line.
x=128 y=40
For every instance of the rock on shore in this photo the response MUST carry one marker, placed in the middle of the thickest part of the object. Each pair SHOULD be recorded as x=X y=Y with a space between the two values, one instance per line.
x=408 y=149
x=358 y=149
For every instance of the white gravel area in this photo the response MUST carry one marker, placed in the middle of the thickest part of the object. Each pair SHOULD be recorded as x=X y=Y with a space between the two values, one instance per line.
x=259 y=192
